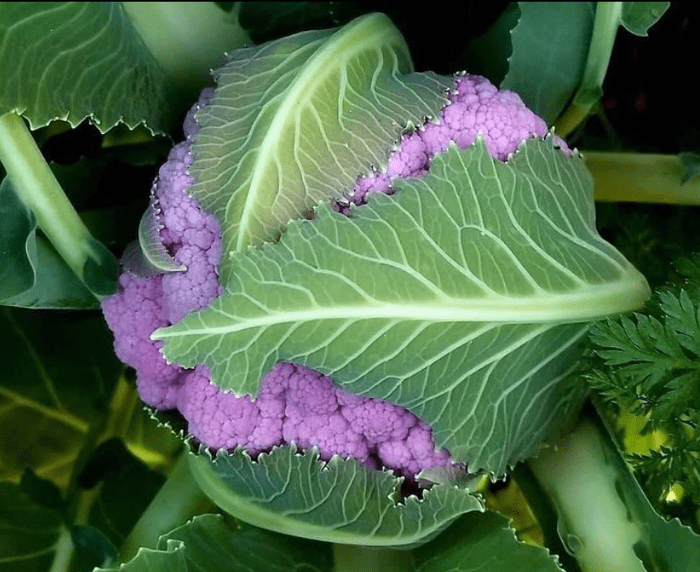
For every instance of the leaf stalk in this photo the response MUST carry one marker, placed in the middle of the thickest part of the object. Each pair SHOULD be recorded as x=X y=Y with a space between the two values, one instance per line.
x=36 y=185
x=607 y=20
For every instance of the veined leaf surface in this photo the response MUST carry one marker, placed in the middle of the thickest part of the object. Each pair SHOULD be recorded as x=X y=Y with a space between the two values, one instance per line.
x=337 y=501
x=295 y=121
x=462 y=298
x=77 y=60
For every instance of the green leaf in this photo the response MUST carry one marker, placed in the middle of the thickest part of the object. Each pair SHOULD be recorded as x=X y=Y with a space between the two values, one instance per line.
x=148 y=256
x=17 y=244
x=60 y=385
x=58 y=374
x=691 y=166
x=29 y=533
x=488 y=53
x=127 y=487
x=77 y=60
x=479 y=542
x=208 y=543
x=270 y=20
x=92 y=548
x=638 y=17
x=550 y=49
x=462 y=298
x=52 y=284
x=336 y=501
x=43 y=492
x=297 y=120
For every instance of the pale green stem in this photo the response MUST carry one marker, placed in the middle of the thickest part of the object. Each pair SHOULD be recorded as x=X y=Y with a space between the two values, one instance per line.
x=605 y=25
x=582 y=477
x=350 y=558
x=641 y=178
x=188 y=39
x=35 y=184
x=177 y=501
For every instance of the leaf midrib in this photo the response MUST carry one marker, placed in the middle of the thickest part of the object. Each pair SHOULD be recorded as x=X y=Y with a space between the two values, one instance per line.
x=297 y=95
x=582 y=305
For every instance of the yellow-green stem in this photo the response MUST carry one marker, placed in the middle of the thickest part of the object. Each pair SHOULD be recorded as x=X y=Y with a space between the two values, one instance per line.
x=641 y=178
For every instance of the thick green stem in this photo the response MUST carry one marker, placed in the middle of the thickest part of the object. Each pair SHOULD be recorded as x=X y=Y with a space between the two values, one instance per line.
x=607 y=21
x=641 y=178
x=35 y=184
x=178 y=500
x=351 y=558
x=595 y=497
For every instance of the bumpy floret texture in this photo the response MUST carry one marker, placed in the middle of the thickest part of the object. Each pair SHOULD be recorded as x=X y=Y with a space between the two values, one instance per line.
x=294 y=404
x=476 y=108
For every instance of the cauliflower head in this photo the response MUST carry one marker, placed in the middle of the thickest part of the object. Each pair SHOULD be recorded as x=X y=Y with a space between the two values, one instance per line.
x=294 y=404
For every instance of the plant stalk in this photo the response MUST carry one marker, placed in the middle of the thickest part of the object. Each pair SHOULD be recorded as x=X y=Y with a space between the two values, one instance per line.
x=641 y=178
x=177 y=501
x=351 y=558
x=596 y=499
x=605 y=25
x=188 y=39
x=35 y=184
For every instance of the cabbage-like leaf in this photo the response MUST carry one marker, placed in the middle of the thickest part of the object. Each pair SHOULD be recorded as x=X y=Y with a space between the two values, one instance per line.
x=210 y=543
x=463 y=298
x=294 y=121
x=339 y=501
x=550 y=43
x=477 y=542
x=74 y=60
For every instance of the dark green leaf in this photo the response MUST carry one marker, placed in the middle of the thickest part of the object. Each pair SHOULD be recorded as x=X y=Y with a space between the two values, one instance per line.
x=270 y=20
x=55 y=285
x=71 y=61
x=58 y=374
x=638 y=17
x=691 y=166
x=550 y=48
x=43 y=492
x=29 y=533
x=128 y=486
x=17 y=244
x=488 y=54
x=92 y=548
x=477 y=542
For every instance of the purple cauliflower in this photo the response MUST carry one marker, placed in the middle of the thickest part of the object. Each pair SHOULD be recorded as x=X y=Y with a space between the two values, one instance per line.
x=294 y=404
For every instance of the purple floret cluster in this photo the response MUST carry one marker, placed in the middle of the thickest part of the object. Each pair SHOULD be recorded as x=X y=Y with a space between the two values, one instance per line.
x=476 y=107
x=294 y=404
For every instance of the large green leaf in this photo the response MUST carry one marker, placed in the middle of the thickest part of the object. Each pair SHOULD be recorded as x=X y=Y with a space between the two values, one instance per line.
x=295 y=121
x=30 y=534
x=61 y=387
x=463 y=298
x=208 y=543
x=74 y=60
x=477 y=542
x=550 y=49
x=337 y=501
